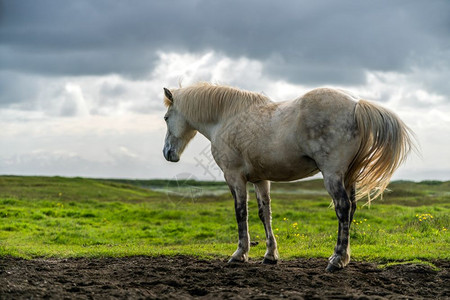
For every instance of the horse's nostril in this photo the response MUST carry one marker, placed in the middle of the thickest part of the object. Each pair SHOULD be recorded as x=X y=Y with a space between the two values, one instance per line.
x=170 y=155
x=167 y=153
x=173 y=156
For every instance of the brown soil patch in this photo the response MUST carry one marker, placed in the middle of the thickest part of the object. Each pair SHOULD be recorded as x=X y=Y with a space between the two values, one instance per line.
x=186 y=277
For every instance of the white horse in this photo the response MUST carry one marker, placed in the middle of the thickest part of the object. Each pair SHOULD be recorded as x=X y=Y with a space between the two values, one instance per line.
x=357 y=145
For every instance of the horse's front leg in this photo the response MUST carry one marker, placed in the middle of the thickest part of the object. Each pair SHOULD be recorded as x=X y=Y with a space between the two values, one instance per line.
x=239 y=191
x=262 y=189
x=344 y=208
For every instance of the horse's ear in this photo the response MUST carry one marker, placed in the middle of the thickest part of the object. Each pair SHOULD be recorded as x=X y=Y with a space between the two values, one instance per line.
x=168 y=94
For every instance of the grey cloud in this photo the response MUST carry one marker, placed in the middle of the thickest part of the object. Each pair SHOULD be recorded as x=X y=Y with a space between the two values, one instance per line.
x=112 y=90
x=69 y=108
x=16 y=89
x=301 y=41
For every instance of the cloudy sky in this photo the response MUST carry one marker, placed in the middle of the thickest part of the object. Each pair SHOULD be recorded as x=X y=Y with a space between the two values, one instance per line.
x=81 y=81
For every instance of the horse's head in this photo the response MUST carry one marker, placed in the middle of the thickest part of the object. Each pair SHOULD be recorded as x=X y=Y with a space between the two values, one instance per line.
x=179 y=132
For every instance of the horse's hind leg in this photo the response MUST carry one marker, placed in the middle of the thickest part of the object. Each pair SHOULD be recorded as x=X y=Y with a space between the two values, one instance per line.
x=352 y=193
x=344 y=210
x=262 y=189
x=239 y=191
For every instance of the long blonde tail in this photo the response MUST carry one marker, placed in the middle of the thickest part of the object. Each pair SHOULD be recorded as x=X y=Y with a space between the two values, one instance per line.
x=385 y=143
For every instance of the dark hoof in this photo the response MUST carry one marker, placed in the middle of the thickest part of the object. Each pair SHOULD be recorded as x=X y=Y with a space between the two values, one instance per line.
x=235 y=261
x=332 y=268
x=267 y=261
x=254 y=243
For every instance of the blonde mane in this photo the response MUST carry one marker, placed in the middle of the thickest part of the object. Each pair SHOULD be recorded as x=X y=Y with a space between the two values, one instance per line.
x=206 y=102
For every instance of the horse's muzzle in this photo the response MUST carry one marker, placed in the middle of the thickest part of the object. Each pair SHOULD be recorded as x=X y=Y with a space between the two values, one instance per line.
x=170 y=155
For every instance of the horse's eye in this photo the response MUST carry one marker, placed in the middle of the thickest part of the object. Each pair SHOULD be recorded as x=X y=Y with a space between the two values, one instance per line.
x=165 y=118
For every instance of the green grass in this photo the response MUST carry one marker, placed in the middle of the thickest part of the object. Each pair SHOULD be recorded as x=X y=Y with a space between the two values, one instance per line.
x=414 y=261
x=74 y=217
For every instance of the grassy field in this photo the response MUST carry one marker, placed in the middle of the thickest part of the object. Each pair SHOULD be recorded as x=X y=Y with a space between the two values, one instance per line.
x=73 y=217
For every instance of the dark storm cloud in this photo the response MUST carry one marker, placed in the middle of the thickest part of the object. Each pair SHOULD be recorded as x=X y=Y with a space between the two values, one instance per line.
x=301 y=41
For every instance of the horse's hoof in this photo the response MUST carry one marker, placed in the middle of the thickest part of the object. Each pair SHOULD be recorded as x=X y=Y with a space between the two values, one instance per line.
x=332 y=268
x=267 y=261
x=235 y=261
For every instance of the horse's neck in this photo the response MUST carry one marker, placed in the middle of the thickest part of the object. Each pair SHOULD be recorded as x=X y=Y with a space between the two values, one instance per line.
x=206 y=129
x=216 y=115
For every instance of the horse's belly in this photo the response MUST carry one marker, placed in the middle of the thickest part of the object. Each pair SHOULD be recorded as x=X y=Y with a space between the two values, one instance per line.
x=282 y=170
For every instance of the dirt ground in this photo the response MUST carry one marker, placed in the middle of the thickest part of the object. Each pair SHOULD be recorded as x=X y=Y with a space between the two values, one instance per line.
x=186 y=277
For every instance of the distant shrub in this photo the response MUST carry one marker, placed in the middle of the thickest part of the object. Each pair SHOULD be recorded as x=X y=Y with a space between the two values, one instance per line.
x=431 y=182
